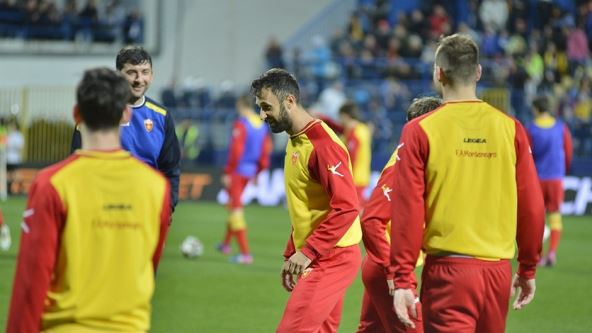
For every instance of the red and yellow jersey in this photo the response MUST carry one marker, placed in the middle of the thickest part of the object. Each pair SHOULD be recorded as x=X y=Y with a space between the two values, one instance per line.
x=320 y=192
x=93 y=231
x=359 y=145
x=376 y=219
x=466 y=170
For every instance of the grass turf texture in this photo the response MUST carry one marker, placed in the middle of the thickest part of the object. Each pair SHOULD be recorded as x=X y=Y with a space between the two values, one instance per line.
x=209 y=294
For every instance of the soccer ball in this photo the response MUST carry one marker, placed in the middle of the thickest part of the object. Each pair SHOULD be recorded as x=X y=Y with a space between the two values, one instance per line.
x=191 y=247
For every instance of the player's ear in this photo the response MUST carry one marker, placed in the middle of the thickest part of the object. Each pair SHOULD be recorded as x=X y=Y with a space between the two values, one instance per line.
x=479 y=71
x=126 y=116
x=290 y=102
x=76 y=115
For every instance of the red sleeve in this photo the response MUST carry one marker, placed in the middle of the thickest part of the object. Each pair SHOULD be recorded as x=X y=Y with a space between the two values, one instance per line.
x=237 y=147
x=353 y=146
x=376 y=216
x=343 y=202
x=265 y=154
x=290 y=248
x=408 y=209
x=568 y=147
x=41 y=227
x=333 y=124
x=531 y=210
x=165 y=220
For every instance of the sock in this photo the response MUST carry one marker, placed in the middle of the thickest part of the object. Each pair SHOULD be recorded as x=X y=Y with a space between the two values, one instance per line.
x=241 y=237
x=227 y=236
x=556 y=227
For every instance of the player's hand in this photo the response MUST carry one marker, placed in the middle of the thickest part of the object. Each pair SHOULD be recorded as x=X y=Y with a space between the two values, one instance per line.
x=297 y=263
x=391 y=285
x=287 y=279
x=525 y=289
x=225 y=180
x=404 y=303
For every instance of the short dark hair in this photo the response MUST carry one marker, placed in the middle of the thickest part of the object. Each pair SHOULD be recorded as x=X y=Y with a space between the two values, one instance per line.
x=422 y=105
x=350 y=109
x=245 y=100
x=458 y=56
x=132 y=54
x=541 y=104
x=279 y=81
x=102 y=95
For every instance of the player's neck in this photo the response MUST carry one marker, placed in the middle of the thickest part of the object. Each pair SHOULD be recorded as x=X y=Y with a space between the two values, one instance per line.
x=101 y=140
x=138 y=101
x=300 y=118
x=462 y=93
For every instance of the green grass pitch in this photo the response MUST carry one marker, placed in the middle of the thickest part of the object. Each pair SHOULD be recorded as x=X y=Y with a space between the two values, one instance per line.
x=209 y=294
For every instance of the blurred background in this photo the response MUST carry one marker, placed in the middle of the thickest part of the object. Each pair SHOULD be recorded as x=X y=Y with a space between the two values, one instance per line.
x=378 y=53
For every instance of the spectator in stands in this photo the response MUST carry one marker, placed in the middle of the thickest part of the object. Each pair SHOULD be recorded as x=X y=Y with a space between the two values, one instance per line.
x=133 y=27
x=331 y=99
x=320 y=59
x=577 y=47
x=494 y=13
x=439 y=22
x=274 y=55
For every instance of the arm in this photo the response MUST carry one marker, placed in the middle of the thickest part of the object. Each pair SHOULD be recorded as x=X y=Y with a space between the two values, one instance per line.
x=44 y=218
x=568 y=147
x=531 y=211
x=353 y=146
x=165 y=218
x=237 y=147
x=408 y=210
x=168 y=160
x=290 y=248
x=264 y=159
x=376 y=216
x=343 y=202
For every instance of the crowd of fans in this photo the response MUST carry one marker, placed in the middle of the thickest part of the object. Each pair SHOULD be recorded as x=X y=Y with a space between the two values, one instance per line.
x=384 y=54
x=94 y=21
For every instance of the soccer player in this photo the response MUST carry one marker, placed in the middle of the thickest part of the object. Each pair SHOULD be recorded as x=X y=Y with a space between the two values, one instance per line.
x=5 y=240
x=377 y=314
x=93 y=229
x=150 y=134
x=323 y=251
x=552 y=152
x=250 y=147
x=466 y=171
x=358 y=140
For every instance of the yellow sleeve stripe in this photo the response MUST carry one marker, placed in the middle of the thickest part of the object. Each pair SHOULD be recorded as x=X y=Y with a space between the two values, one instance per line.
x=156 y=108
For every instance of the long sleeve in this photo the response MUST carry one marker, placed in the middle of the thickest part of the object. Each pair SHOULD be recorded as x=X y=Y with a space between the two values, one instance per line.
x=237 y=147
x=408 y=207
x=168 y=160
x=43 y=220
x=329 y=164
x=531 y=210
x=165 y=217
x=290 y=248
x=264 y=159
x=376 y=216
x=567 y=147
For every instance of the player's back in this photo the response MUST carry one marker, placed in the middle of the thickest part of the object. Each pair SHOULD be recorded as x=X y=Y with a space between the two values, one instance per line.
x=361 y=158
x=470 y=177
x=546 y=134
x=104 y=277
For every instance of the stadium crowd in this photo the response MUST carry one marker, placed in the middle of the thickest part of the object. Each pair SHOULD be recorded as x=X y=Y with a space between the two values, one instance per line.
x=93 y=21
x=383 y=56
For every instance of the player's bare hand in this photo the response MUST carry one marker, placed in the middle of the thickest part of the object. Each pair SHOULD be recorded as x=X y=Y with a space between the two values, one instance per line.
x=525 y=289
x=297 y=263
x=225 y=180
x=404 y=304
x=287 y=279
x=391 y=285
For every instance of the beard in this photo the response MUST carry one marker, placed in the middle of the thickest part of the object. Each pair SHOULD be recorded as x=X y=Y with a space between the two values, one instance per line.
x=282 y=124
